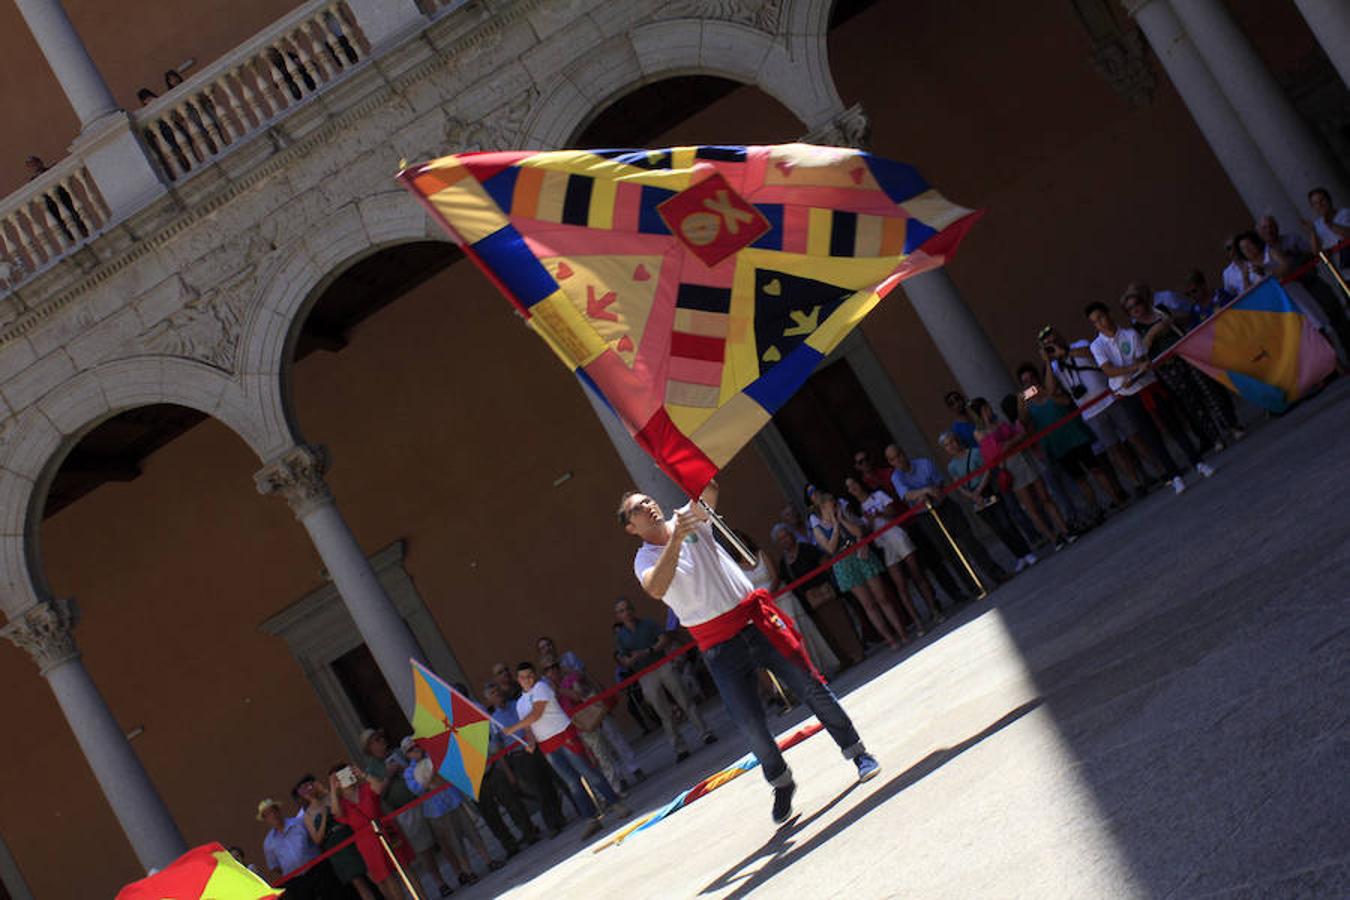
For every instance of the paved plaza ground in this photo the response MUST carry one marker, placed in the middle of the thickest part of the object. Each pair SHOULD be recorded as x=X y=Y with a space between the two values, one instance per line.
x=1159 y=711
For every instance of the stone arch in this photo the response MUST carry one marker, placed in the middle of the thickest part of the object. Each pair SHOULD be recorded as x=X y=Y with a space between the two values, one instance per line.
x=37 y=441
x=795 y=73
x=293 y=284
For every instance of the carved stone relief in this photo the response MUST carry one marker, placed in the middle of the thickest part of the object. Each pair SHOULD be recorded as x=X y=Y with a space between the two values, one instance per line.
x=764 y=15
x=46 y=632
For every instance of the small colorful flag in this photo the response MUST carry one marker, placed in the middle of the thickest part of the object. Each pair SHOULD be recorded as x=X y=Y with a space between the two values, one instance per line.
x=208 y=872
x=695 y=288
x=452 y=729
x=1262 y=347
x=706 y=786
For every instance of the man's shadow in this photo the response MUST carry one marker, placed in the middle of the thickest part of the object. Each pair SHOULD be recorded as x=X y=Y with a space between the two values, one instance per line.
x=781 y=851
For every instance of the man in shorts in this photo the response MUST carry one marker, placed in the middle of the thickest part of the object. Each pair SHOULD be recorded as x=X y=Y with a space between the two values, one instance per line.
x=1145 y=405
x=1077 y=372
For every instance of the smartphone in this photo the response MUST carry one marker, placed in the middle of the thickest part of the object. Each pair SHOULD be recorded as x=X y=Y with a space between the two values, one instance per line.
x=346 y=777
x=1030 y=392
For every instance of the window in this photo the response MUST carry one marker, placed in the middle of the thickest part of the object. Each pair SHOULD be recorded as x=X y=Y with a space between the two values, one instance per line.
x=323 y=639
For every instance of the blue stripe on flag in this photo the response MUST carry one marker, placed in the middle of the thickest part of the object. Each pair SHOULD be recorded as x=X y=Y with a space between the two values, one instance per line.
x=505 y=253
x=772 y=389
x=915 y=234
x=773 y=238
x=899 y=181
x=1264 y=395
x=502 y=186
x=649 y=220
x=1267 y=296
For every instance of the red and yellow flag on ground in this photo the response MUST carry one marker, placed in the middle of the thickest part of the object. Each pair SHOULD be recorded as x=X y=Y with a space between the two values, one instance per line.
x=208 y=872
x=695 y=288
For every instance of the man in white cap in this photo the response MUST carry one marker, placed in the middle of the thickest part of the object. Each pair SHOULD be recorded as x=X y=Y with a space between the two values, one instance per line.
x=387 y=765
x=287 y=847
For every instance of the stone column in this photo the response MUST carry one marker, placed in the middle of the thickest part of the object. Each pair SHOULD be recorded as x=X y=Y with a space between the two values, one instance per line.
x=66 y=54
x=1330 y=24
x=949 y=321
x=1291 y=148
x=964 y=346
x=297 y=475
x=644 y=473
x=1234 y=148
x=46 y=632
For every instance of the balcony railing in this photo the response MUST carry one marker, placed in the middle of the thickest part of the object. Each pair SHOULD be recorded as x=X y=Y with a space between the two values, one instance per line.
x=52 y=216
x=254 y=85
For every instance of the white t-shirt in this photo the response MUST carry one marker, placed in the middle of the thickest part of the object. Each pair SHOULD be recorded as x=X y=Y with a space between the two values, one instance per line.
x=1328 y=237
x=707 y=581
x=1081 y=372
x=1124 y=348
x=875 y=509
x=554 y=721
x=1232 y=279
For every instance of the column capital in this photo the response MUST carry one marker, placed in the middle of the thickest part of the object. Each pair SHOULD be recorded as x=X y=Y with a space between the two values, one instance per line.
x=297 y=475
x=850 y=128
x=46 y=631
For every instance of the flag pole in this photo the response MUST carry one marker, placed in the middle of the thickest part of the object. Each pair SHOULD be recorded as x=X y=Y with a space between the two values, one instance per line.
x=724 y=529
x=957 y=547
x=1335 y=273
x=398 y=866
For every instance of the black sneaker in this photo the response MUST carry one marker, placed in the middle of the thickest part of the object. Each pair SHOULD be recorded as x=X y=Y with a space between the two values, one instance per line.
x=782 y=802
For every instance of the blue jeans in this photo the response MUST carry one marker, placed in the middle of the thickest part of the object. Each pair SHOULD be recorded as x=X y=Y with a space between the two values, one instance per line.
x=734 y=665
x=571 y=767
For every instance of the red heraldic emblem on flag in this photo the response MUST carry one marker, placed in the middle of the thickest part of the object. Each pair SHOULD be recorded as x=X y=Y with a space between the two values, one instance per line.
x=693 y=288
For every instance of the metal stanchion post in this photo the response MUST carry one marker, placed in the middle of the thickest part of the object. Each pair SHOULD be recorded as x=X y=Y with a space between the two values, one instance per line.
x=970 y=570
x=778 y=687
x=408 y=883
x=1336 y=274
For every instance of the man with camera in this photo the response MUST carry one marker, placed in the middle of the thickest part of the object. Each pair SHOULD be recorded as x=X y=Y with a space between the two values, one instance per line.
x=1075 y=368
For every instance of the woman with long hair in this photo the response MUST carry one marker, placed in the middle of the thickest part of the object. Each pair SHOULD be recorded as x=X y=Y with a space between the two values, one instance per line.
x=878 y=508
x=859 y=573
x=1023 y=479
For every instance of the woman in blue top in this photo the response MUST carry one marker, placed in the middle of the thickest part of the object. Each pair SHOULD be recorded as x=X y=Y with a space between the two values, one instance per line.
x=860 y=572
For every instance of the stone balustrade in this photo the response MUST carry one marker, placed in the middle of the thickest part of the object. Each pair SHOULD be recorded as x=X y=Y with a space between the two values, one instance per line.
x=50 y=217
x=252 y=86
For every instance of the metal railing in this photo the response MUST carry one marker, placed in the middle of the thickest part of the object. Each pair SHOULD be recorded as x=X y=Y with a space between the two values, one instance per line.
x=52 y=216
x=255 y=84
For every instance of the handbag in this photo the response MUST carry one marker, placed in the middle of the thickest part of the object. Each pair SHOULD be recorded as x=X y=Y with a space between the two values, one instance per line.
x=588 y=718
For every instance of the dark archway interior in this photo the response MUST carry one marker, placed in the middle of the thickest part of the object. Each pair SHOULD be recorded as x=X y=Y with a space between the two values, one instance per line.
x=113 y=451
x=654 y=109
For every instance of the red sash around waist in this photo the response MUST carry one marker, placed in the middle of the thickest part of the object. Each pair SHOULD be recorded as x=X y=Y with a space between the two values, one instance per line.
x=759 y=610
x=570 y=738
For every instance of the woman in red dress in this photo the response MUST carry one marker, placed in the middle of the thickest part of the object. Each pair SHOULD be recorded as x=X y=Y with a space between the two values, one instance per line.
x=357 y=805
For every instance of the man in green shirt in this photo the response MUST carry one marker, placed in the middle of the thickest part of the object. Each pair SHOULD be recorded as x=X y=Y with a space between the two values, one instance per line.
x=641 y=642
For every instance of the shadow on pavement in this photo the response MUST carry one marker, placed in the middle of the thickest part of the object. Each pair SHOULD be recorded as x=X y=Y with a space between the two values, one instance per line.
x=781 y=851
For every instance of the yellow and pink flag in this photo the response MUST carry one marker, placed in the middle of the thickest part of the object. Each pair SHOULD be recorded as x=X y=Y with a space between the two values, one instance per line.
x=452 y=729
x=207 y=872
x=1261 y=347
x=693 y=288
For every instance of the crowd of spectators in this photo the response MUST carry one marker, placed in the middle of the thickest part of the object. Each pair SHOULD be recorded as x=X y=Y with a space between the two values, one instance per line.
x=557 y=743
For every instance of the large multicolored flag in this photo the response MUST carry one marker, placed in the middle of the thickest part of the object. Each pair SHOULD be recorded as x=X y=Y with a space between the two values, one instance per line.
x=452 y=729
x=208 y=872
x=1262 y=347
x=694 y=288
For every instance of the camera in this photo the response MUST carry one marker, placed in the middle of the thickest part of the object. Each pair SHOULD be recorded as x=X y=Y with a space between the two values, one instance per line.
x=1078 y=390
x=1051 y=349
x=346 y=777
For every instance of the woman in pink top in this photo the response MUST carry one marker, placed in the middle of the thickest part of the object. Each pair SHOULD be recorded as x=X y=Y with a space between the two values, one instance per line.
x=994 y=437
